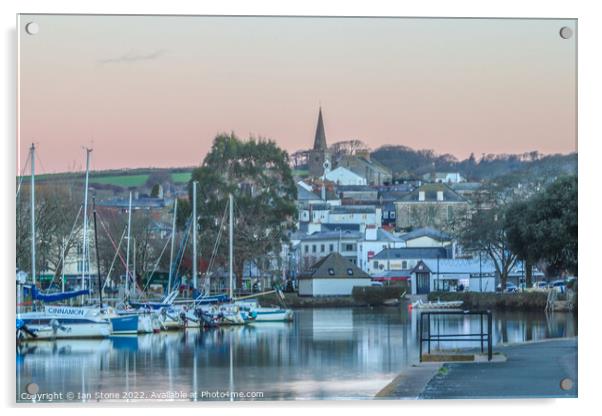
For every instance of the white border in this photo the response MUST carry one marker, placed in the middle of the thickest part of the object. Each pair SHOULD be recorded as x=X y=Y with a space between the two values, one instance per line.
x=590 y=134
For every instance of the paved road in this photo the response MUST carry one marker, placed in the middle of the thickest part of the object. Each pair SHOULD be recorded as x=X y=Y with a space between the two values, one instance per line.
x=532 y=370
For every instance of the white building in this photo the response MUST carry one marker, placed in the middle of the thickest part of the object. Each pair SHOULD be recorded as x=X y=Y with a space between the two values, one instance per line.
x=343 y=176
x=451 y=275
x=332 y=276
x=375 y=240
x=444 y=177
x=403 y=259
x=318 y=245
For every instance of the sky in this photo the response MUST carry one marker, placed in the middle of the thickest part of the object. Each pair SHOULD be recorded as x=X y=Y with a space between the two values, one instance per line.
x=153 y=91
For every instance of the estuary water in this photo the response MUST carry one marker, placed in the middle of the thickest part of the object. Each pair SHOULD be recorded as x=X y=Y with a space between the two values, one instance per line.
x=338 y=353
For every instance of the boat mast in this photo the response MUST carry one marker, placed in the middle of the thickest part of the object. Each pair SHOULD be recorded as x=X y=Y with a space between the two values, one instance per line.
x=173 y=243
x=231 y=242
x=194 y=236
x=33 y=212
x=85 y=243
x=97 y=253
x=127 y=253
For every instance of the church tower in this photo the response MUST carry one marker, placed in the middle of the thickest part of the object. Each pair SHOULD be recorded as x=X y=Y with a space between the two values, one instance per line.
x=319 y=155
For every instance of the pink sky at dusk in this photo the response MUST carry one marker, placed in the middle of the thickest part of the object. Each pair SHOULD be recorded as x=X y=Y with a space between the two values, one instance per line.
x=154 y=91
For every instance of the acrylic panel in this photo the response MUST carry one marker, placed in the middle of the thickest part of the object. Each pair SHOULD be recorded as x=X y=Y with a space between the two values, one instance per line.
x=279 y=208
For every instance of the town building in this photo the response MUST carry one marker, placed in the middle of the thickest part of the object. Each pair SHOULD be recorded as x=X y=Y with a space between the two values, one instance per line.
x=343 y=176
x=357 y=194
x=363 y=165
x=450 y=275
x=426 y=237
x=315 y=246
x=444 y=177
x=431 y=205
x=333 y=275
x=375 y=240
x=404 y=259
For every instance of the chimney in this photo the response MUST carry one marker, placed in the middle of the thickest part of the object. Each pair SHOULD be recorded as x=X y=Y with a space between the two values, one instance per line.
x=421 y=195
x=371 y=233
x=439 y=195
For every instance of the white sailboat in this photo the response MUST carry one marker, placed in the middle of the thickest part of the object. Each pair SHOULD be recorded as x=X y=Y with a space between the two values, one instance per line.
x=55 y=322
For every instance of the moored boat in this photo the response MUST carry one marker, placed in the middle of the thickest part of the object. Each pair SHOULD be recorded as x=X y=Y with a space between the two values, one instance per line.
x=419 y=304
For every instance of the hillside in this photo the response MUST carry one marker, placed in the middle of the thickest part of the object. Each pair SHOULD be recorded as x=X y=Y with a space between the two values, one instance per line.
x=407 y=162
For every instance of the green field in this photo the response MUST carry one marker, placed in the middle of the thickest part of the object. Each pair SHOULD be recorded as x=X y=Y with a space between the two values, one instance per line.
x=122 y=180
x=135 y=178
x=180 y=177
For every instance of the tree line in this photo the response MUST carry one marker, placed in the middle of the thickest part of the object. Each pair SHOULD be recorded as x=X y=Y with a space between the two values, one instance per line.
x=538 y=229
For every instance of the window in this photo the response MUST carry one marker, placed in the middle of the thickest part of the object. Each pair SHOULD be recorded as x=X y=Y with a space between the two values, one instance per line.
x=348 y=247
x=313 y=248
x=306 y=249
x=350 y=271
x=322 y=248
x=375 y=265
x=331 y=247
x=331 y=271
x=404 y=264
x=392 y=215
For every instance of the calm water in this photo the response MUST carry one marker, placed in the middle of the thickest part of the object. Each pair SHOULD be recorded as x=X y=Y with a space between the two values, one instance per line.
x=324 y=354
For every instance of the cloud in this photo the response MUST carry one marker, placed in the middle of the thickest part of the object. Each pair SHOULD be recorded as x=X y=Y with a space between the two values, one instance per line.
x=132 y=56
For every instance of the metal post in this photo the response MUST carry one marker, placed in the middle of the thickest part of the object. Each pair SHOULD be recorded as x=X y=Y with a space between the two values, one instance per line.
x=33 y=214
x=489 y=336
x=231 y=243
x=482 y=335
x=194 y=236
x=63 y=268
x=173 y=242
x=85 y=242
x=480 y=273
x=421 y=338
x=97 y=253
x=127 y=252
x=428 y=323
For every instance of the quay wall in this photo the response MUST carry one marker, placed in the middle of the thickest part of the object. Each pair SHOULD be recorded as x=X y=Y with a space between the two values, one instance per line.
x=500 y=301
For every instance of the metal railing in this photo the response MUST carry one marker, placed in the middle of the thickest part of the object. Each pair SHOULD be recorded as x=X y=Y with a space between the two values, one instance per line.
x=471 y=337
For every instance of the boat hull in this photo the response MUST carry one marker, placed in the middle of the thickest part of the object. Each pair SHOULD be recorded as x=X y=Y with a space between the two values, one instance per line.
x=124 y=325
x=68 y=330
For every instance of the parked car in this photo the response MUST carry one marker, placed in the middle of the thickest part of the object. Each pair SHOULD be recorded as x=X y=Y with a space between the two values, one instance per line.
x=375 y=283
x=510 y=288
x=540 y=285
x=558 y=285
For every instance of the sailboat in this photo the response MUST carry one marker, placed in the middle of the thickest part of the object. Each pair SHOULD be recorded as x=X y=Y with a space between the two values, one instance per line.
x=58 y=321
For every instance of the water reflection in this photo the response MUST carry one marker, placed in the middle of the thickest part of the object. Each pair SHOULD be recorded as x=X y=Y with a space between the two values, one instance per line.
x=324 y=353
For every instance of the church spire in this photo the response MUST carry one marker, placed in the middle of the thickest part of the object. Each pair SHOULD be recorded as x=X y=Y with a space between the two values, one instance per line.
x=320 y=140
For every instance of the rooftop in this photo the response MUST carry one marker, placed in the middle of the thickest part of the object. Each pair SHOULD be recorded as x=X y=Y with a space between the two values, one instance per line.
x=426 y=232
x=333 y=235
x=412 y=253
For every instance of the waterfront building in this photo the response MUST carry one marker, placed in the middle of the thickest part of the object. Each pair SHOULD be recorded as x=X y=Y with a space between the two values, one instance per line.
x=405 y=258
x=333 y=275
x=475 y=275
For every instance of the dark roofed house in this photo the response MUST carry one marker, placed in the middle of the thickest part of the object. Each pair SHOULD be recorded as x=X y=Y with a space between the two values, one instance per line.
x=432 y=205
x=332 y=275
